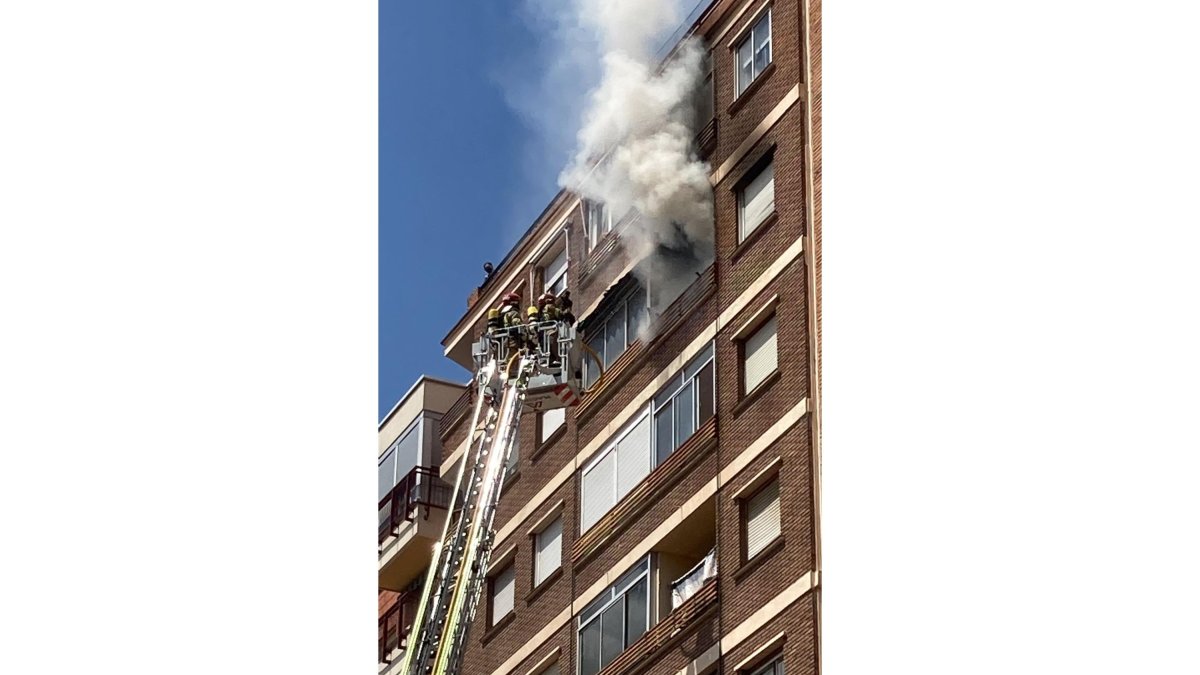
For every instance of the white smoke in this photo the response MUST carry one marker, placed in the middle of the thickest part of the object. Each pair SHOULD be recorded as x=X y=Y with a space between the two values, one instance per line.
x=635 y=144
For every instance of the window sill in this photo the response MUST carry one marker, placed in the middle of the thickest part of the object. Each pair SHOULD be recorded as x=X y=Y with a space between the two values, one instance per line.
x=537 y=590
x=754 y=395
x=738 y=101
x=759 y=558
x=496 y=628
x=754 y=236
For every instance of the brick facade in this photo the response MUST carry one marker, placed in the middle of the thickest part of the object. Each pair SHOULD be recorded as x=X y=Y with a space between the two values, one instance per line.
x=738 y=608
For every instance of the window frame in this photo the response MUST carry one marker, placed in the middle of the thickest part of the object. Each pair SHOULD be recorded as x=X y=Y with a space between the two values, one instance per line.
x=748 y=34
x=595 y=609
x=603 y=454
x=592 y=233
x=744 y=518
x=492 y=619
x=544 y=267
x=743 y=392
x=698 y=363
x=767 y=668
x=766 y=162
x=544 y=439
x=599 y=328
x=537 y=537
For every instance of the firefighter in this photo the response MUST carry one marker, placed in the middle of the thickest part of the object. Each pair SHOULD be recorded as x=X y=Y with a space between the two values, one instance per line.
x=510 y=313
x=546 y=304
x=563 y=308
x=534 y=316
x=493 y=320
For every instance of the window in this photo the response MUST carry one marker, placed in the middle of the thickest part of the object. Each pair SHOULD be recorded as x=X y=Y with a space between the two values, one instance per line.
x=400 y=458
x=502 y=593
x=773 y=668
x=598 y=221
x=554 y=274
x=756 y=201
x=704 y=102
x=761 y=512
x=759 y=356
x=610 y=337
x=754 y=53
x=684 y=405
x=551 y=420
x=547 y=551
x=514 y=461
x=615 y=620
x=614 y=472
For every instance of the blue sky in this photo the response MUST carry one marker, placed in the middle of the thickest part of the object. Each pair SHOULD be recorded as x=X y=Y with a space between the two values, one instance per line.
x=461 y=175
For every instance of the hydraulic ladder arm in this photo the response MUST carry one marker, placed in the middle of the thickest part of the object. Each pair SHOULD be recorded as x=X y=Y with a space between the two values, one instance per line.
x=523 y=365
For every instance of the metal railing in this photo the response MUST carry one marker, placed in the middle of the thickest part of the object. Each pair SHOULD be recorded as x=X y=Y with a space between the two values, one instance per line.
x=687 y=585
x=421 y=487
x=395 y=625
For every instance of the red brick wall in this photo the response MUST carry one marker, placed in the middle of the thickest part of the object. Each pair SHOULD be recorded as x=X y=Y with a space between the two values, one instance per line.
x=737 y=266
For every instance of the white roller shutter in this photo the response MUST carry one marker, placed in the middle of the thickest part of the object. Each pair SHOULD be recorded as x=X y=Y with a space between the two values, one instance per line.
x=549 y=551
x=761 y=356
x=556 y=268
x=762 y=519
x=758 y=200
x=502 y=589
x=551 y=420
x=633 y=457
x=597 y=489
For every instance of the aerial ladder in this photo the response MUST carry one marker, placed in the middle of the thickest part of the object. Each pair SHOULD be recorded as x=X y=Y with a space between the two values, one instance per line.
x=521 y=362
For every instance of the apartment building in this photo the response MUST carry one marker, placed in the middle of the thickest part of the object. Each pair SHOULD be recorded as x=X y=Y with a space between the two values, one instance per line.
x=668 y=523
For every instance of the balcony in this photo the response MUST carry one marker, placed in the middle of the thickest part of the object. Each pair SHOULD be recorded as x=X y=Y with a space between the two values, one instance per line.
x=394 y=627
x=411 y=518
x=686 y=586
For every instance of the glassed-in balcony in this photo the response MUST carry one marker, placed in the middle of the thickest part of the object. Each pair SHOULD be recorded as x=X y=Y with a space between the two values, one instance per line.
x=411 y=517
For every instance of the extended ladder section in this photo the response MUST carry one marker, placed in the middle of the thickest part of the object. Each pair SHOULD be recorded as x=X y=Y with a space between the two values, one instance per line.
x=522 y=365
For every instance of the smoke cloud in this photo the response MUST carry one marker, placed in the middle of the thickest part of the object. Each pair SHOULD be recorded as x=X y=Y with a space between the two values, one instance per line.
x=635 y=136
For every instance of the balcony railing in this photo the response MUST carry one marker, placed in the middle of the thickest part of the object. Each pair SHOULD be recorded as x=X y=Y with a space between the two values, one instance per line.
x=421 y=487
x=687 y=585
x=395 y=624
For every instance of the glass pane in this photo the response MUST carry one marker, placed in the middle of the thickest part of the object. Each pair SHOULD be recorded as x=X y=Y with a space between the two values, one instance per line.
x=591 y=370
x=637 y=313
x=664 y=440
x=612 y=638
x=635 y=612
x=387 y=474
x=684 y=414
x=745 y=63
x=698 y=362
x=408 y=450
x=762 y=57
x=614 y=338
x=705 y=394
x=589 y=649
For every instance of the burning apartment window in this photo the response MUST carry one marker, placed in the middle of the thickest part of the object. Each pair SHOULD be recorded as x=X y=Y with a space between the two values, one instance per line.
x=554 y=273
x=598 y=221
x=611 y=336
x=705 y=104
x=756 y=201
x=684 y=405
x=754 y=53
x=615 y=620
